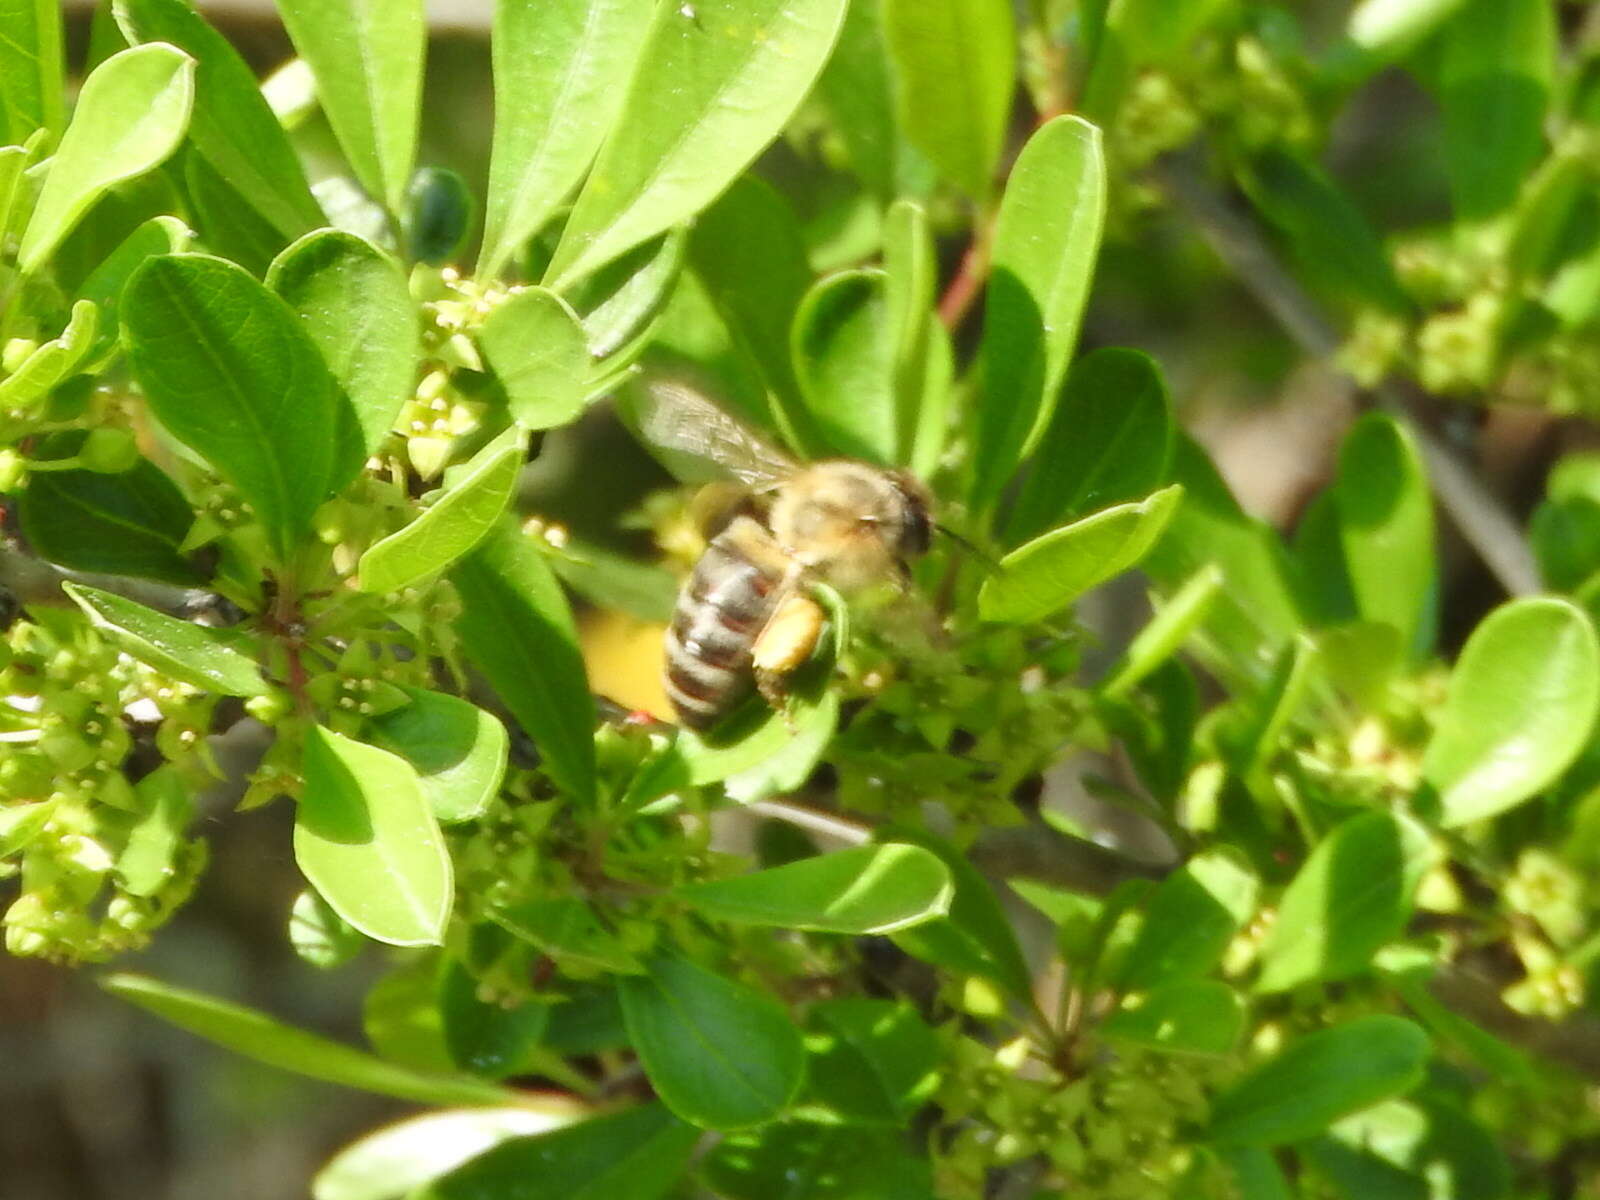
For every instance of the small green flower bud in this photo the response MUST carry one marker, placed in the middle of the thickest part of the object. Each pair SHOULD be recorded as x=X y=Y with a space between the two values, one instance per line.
x=109 y=451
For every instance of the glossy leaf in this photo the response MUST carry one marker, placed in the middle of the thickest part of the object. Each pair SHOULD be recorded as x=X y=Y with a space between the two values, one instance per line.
x=762 y=753
x=458 y=751
x=448 y=529
x=863 y=890
x=1385 y=517
x=21 y=823
x=130 y=116
x=1499 y=63
x=366 y=839
x=622 y=301
x=367 y=59
x=637 y=1154
x=1109 y=440
x=844 y=357
x=257 y=1036
x=1046 y=238
x=518 y=631
x=229 y=371
x=353 y=300
x=1521 y=705
x=1041 y=577
x=53 y=362
x=955 y=72
x=233 y=128
x=715 y=84
x=399 y=1158
x=1318 y=1079
x=1352 y=895
x=31 y=83
x=872 y=1061
x=1190 y=920
x=129 y=523
x=103 y=287
x=719 y=1054
x=182 y=649
x=537 y=350
x=1187 y=1016
x=561 y=70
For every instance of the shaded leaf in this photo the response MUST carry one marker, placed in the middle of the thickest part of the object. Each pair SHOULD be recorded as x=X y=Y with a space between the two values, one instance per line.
x=31 y=84
x=1186 y=1016
x=1194 y=914
x=537 y=350
x=458 y=751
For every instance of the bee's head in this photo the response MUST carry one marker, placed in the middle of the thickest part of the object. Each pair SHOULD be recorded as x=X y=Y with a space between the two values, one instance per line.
x=912 y=524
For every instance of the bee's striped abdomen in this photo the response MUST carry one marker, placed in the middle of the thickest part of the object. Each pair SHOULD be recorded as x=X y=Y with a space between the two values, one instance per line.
x=721 y=609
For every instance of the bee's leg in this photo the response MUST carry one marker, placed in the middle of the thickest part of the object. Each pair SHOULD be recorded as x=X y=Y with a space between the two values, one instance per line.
x=788 y=638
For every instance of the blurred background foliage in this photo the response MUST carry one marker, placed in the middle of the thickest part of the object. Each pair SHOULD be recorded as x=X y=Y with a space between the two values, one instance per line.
x=1426 y=169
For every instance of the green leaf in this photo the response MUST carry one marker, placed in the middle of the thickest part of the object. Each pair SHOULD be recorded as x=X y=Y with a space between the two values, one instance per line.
x=1251 y=735
x=637 y=1154
x=1109 y=440
x=856 y=90
x=715 y=84
x=719 y=1054
x=257 y=1036
x=1169 y=627
x=872 y=1061
x=759 y=753
x=561 y=70
x=21 y=823
x=1255 y=614
x=1041 y=577
x=400 y=1158
x=567 y=928
x=230 y=372
x=1385 y=514
x=228 y=226
x=129 y=523
x=448 y=529
x=1352 y=895
x=622 y=301
x=1255 y=1172
x=31 y=74
x=975 y=937
x=537 y=350
x=16 y=189
x=232 y=128
x=53 y=362
x=458 y=751
x=1411 y=1149
x=1186 y=1016
x=130 y=116
x=166 y=807
x=955 y=73
x=366 y=839
x=1045 y=242
x=748 y=252
x=1318 y=1079
x=1331 y=239
x=518 y=630
x=186 y=651
x=844 y=357
x=1386 y=28
x=319 y=935
x=1499 y=66
x=863 y=890
x=353 y=300
x=103 y=287
x=485 y=1037
x=1521 y=705
x=806 y=1160
x=367 y=59
x=1190 y=920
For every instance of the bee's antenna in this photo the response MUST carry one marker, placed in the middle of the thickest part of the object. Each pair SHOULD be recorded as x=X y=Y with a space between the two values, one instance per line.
x=988 y=560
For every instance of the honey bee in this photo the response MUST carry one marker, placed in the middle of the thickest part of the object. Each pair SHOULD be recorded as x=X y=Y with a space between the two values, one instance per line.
x=745 y=618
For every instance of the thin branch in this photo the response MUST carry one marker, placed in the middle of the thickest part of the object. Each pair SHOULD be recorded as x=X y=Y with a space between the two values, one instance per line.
x=1476 y=511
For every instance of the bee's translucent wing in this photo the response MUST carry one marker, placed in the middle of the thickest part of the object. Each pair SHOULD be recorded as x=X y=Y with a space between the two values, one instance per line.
x=698 y=442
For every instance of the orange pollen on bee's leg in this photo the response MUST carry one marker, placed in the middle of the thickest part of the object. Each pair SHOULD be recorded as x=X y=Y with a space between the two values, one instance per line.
x=789 y=636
